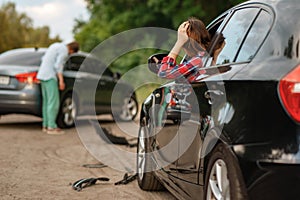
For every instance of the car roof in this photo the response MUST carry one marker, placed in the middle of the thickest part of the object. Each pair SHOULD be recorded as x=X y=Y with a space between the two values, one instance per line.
x=280 y=6
x=38 y=49
x=274 y=1
x=20 y=50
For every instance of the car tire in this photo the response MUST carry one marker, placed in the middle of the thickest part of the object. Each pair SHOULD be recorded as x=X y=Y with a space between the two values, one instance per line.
x=223 y=176
x=67 y=112
x=145 y=166
x=129 y=109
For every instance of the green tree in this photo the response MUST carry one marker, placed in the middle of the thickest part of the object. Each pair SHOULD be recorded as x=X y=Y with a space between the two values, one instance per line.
x=17 y=30
x=111 y=17
x=39 y=37
x=13 y=27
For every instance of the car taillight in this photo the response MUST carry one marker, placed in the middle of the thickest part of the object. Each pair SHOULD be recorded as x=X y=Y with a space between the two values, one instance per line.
x=27 y=77
x=289 y=89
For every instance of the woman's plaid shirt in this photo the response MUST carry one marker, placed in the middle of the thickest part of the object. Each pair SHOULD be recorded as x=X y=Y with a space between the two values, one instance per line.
x=188 y=69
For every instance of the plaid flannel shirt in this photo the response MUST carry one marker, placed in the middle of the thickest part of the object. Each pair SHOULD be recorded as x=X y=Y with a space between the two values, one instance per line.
x=188 y=69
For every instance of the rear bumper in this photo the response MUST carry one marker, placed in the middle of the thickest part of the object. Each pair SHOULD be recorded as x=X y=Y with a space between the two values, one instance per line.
x=25 y=101
x=271 y=171
x=269 y=153
x=281 y=181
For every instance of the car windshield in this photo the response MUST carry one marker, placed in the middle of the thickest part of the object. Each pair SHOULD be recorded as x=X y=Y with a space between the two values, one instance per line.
x=21 y=58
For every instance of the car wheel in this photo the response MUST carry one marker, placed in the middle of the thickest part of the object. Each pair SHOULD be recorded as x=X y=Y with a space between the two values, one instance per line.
x=145 y=165
x=176 y=121
x=129 y=109
x=224 y=178
x=67 y=113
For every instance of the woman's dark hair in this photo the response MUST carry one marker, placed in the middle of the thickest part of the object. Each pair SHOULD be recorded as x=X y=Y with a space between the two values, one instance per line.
x=219 y=42
x=199 y=37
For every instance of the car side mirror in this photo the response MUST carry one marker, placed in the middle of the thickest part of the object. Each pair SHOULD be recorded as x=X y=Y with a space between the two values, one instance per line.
x=154 y=61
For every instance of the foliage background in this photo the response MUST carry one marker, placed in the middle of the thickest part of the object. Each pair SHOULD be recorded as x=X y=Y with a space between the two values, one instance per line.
x=111 y=17
x=17 y=30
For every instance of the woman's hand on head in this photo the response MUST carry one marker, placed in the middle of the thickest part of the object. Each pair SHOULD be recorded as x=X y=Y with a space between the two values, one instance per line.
x=182 y=36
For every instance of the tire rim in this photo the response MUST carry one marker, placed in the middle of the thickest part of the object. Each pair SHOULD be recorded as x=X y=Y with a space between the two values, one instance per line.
x=129 y=109
x=69 y=111
x=218 y=184
x=141 y=162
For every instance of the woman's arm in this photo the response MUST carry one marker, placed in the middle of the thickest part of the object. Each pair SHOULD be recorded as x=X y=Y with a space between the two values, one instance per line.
x=170 y=70
x=182 y=38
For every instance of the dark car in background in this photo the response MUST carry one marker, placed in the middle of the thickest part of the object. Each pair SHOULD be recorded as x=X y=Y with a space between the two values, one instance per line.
x=241 y=139
x=20 y=90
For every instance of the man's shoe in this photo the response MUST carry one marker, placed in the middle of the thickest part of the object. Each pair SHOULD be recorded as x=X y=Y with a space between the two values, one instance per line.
x=55 y=131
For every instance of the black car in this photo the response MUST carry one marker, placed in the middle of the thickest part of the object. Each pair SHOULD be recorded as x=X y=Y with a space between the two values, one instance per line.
x=234 y=133
x=20 y=90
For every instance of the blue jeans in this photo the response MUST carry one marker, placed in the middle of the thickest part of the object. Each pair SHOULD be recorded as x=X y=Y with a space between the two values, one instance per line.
x=50 y=95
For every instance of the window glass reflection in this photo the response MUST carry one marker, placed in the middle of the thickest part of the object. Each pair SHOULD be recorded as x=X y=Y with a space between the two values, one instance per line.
x=255 y=37
x=234 y=33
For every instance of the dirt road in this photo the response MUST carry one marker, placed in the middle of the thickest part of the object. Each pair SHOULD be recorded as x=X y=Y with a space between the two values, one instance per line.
x=34 y=165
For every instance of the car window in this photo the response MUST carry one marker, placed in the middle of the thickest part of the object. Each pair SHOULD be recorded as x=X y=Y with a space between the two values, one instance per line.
x=92 y=65
x=234 y=32
x=89 y=66
x=255 y=36
x=213 y=29
x=22 y=58
x=74 y=63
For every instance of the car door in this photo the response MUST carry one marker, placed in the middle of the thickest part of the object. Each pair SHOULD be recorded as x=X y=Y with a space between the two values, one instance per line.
x=105 y=87
x=97 y=83
x=214 y=108
x=81 y=81
x=165 y=131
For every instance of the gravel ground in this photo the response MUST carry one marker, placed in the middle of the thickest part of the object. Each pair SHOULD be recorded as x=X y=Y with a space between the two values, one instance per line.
x=34 y=165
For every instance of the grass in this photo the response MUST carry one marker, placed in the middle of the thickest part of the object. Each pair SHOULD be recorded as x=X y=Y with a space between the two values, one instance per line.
x=143 y=92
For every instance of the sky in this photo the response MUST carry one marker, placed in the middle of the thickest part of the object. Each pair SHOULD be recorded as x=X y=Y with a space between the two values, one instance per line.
x=58 y=15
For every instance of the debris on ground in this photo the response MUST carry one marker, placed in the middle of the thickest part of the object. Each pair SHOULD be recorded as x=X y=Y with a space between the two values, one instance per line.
x=85 y=182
